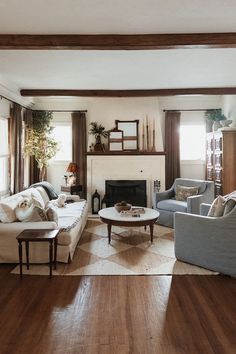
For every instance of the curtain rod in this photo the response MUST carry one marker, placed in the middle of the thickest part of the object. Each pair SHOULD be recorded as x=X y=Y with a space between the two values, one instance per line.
x=60 y=110
x=188 y=110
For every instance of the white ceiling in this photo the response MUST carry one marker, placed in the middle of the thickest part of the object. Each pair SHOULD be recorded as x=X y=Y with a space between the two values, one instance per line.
x=117 y=69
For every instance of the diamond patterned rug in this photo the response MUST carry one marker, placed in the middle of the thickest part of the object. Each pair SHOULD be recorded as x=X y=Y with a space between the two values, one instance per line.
x=130 y=253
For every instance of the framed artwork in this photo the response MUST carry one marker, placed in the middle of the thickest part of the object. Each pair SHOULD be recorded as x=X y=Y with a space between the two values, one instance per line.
x=115 y=140
x=130 y=133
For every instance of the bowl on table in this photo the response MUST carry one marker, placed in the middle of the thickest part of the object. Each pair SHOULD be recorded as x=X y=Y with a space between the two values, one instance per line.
x=122 y=206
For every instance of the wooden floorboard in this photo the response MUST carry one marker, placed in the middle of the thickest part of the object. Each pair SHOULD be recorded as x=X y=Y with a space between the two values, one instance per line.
x=117 y=314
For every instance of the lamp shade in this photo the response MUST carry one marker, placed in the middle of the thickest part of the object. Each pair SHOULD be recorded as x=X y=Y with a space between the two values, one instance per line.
x=72 y=168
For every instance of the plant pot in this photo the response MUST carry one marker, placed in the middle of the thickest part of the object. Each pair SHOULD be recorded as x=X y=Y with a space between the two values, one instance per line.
x=98 y=144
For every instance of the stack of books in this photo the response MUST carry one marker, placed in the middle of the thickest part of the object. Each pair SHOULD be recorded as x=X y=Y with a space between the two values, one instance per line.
x=134 y=211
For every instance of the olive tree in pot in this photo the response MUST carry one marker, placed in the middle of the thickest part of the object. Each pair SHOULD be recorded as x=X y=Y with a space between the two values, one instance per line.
x=39 y=141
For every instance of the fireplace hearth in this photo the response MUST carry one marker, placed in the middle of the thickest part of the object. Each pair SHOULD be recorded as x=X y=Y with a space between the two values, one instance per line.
x=132 y=191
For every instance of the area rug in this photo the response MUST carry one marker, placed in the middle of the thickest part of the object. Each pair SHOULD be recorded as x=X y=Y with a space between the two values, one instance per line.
x=130 y=253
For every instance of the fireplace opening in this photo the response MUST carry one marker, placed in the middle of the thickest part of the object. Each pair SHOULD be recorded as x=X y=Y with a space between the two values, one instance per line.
x=132 y=191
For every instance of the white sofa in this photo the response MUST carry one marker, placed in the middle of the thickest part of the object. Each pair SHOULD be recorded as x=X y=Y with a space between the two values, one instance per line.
x=71 y=221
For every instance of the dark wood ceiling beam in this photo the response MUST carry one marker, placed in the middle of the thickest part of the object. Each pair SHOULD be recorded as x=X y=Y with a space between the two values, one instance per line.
x=130 y=93
x=118 y=42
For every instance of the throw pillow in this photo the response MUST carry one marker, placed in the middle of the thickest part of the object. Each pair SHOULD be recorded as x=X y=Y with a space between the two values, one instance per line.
x=7 y=214
x=217 y=208
x=52 y=214
x=7 y=209
x=229 y=205
x=183 y=192
x=32 y=214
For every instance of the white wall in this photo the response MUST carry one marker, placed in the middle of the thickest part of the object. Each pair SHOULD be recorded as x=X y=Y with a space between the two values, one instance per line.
x=4 y=108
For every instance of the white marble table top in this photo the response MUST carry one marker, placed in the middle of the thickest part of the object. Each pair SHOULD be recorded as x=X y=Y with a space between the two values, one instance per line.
x=112 y=214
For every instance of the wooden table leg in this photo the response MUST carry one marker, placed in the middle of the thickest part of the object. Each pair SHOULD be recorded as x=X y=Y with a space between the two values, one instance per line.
x=20 y=257
x=151 y=231
x=27 y=253
x=109 y=232
x=55 y=253
x=50 y=256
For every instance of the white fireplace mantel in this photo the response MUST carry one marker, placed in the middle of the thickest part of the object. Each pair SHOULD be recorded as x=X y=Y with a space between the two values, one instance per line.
x=144 y=167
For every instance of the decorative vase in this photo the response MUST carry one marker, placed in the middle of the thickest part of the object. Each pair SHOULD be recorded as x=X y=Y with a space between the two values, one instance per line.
x=98 y=145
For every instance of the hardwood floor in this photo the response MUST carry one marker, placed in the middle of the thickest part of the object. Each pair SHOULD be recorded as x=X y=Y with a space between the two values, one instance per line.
x=117 y=314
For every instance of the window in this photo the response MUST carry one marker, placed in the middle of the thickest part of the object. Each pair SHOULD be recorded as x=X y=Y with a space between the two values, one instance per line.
x=62 y=132
x=4 y=157
x=192 y=138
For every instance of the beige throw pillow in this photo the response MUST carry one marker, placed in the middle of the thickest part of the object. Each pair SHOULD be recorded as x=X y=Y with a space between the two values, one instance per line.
x=31 y=214
x=52 y=214
x=217 y=208
x=7 y=209
x=182 y=192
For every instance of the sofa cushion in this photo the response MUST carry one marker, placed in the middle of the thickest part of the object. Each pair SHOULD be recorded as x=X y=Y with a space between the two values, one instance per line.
x=172 y=205
x=33 y=192
x=68 y=219
x=43 y=194
x=183 y=192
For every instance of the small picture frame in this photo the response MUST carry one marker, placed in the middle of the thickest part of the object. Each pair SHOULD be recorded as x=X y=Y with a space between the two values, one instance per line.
x=115 y=140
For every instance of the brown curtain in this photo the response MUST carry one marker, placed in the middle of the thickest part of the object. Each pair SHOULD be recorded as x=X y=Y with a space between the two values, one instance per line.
x=172 y=124
x=33 y=173
x=15 y=137
x=79 y=147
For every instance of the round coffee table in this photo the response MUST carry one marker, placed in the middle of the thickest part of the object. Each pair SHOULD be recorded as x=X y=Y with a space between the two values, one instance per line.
x=111 y=217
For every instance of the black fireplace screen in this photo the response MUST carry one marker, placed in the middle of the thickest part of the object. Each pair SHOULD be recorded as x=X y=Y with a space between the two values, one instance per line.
x=132 y=191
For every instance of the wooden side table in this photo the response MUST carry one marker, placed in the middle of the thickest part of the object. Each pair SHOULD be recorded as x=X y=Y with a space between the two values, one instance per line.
x=72 y=189
x=40 y=235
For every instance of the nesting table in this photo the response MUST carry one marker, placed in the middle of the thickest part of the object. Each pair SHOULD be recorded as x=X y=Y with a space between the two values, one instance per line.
x=110 y=216
x=41 y=235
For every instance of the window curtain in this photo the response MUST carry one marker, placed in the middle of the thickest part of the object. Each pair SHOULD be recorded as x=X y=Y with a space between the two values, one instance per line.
x=172 y=149
x=79 y=147
x=16 y=150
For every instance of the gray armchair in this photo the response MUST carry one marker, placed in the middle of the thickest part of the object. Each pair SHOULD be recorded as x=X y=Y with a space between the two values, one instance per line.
x=165 y=203
x=208 y=242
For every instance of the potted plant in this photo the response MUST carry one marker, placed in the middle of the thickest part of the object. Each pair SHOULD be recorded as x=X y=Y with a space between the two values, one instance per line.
x=39 y=142
x=98 y=130
x=214 y=117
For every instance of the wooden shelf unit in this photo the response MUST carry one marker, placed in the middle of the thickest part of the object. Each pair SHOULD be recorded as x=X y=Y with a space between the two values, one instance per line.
x=221 y=160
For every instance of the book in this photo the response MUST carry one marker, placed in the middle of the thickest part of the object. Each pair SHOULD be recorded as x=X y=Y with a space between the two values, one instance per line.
x=134 y=211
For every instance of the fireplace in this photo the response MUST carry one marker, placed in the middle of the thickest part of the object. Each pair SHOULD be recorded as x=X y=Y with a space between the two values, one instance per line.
x=132 y=191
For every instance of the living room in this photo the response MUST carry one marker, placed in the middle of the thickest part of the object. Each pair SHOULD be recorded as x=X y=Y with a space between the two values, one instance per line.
x=154 y=274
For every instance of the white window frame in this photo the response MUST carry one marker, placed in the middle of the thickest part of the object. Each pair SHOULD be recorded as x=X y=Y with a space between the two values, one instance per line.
x=7 y=156
x=60 y=162
x=191 y=119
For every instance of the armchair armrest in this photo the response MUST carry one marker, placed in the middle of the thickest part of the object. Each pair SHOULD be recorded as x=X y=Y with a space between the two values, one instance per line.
x=204 y=208
x=157 y=197
x=193 y=204
x=209 y=242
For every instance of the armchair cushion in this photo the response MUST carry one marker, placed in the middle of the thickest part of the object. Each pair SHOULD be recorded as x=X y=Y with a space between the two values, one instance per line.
x=172 y=205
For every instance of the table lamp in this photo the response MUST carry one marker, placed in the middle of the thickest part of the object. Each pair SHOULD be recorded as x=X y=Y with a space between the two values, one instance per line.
x=72 y=169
